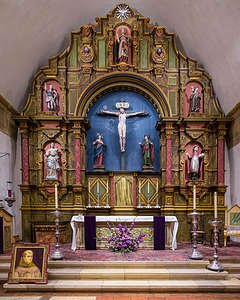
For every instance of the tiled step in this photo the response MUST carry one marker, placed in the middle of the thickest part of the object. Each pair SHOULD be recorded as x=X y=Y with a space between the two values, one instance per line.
x=135 y=273
x=128 y=264
x=5 y=258
x=232 y=268
x=232 y=285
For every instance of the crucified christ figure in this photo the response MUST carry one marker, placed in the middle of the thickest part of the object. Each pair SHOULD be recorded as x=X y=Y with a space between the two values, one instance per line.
x=122 y=116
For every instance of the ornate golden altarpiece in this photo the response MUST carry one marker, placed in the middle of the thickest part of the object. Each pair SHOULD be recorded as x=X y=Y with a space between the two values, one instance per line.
x=152 y=66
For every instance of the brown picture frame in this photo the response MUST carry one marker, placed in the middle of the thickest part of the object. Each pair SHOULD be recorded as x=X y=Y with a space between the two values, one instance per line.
x=29 y=263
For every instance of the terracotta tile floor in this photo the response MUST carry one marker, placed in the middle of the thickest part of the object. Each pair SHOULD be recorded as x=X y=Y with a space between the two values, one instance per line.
x=122 y=296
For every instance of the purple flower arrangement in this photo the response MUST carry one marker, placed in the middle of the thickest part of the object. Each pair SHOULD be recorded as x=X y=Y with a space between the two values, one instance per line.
x=123 y=239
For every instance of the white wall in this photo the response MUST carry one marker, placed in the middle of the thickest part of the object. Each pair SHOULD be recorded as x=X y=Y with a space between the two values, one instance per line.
x=228 y=201
x=234 y=160
x=10 y=171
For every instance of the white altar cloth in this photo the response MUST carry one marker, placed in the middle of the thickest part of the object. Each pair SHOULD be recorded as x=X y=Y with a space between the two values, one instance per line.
x=121 y=219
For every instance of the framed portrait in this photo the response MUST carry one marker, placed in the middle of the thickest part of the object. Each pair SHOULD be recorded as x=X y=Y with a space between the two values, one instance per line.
x=29 y=263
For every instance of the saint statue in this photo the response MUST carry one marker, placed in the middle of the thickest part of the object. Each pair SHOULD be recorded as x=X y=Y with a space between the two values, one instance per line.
x=99 y=152
x=51 y=98
x=27 y=268
x=195 y=100
x=52 y=162
x=194 y=163
x=147 y=152
x=122 y=46
x=122 y=116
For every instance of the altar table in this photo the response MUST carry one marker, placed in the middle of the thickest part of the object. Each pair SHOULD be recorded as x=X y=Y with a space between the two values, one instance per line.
x=77 y=223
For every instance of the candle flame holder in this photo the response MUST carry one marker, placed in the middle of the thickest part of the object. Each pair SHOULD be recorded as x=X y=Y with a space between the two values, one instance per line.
x=57 y=255
x=215 y=265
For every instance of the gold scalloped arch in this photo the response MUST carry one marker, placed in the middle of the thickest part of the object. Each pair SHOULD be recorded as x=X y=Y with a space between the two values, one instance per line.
x=123 y=81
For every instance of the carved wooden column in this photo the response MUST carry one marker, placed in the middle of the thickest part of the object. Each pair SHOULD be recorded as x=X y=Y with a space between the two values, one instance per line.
x=110 y=45
x=221 y=134
x=77 y=134
x=79 y=129
x=135 y=45
x=169 y=132
x=25 y=152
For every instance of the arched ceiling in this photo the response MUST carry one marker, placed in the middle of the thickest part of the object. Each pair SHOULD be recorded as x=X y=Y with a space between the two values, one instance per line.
x=33 y=31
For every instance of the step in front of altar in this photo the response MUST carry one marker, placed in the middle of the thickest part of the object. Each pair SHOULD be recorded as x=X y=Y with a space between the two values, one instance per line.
x=121 y=276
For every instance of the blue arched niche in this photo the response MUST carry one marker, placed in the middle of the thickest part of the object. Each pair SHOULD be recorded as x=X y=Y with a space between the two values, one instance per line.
x=137 y=127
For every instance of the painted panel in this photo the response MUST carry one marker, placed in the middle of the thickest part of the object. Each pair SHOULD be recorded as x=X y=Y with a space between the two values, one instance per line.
x=101 y=54
x=143 y=54
x=172 y=56
x=172 y=100
x=73 y=54
x=235 y=219
x=137 y=127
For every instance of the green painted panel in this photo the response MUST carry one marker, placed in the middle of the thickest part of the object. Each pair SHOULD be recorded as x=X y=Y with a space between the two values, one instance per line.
x=73 y=96
x=172 y=99
x=172 y=80
x=148 y=190
x=73 y=54
x=235 y=219
x=143 y=54
x=101 y=54
x=171 y=56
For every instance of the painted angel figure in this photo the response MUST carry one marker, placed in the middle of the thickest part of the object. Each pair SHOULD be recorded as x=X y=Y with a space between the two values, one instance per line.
x=122 y=116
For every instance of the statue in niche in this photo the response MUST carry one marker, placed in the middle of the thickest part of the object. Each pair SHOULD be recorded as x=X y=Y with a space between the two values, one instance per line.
x=195 y=100
x=99 y=152
x=122 y=45
x=122 y=116
x=194 y=163
x=52 y=162
x=52 y=98
x=147 y=152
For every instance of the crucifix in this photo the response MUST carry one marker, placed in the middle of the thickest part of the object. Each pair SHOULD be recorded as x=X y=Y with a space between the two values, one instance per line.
x=122 y=116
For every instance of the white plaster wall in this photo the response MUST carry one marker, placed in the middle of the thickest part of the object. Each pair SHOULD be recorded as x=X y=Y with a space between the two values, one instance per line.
x=228 y=202
x=10 y=171
x=234 y=160
x=33 y=31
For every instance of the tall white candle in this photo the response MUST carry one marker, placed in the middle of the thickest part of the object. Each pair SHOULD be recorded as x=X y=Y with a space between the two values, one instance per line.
x=148 y=187
x=194 y=197
x=56 y=196
x=215 y=205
